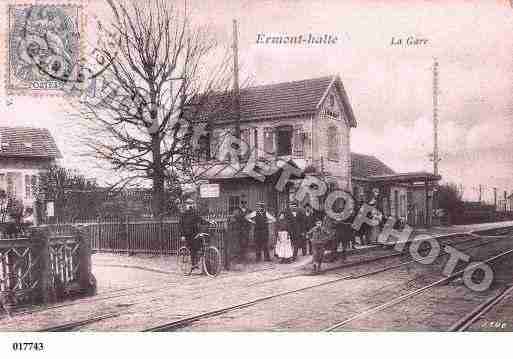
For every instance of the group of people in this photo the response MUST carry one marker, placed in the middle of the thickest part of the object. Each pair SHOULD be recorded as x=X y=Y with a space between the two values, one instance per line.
x=292 y=226
x=298 y=231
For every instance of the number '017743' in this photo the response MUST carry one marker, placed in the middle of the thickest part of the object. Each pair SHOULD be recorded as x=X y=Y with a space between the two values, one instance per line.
x=28 y=346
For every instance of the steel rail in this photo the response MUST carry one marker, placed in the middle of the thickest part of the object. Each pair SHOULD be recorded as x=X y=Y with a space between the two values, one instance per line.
x=107 y=295
x=469 y=319
x=376 y=259
x=188 y=320
x=72 y=325
x=409 y=295
x=394 y=255
x=191 y=319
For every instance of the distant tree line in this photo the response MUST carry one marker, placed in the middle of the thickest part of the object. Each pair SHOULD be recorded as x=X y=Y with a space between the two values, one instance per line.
x=76 y=198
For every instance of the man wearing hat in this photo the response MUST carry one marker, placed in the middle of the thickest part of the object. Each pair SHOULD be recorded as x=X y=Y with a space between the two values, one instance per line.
x=240 y=228
x=244 y=230
x=296 y=227
x=261 y=219
x=189 y=226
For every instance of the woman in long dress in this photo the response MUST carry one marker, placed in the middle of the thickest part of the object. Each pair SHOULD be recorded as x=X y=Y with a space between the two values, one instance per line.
x=283 y=242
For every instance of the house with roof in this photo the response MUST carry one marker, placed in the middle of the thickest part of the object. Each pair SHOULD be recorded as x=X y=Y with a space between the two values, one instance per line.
x=408 y=196
x=24 y=152
x=306 y=124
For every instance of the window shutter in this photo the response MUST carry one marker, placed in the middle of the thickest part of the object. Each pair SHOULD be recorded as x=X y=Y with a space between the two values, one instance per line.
x=269 y=135
x=224 y=144
x=2 y=182
x=255 y=138
x=245 y=136
x=298 y=144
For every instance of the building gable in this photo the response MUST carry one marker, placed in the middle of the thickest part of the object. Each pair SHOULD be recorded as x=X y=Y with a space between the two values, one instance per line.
x=27 y=142
x=334 y=102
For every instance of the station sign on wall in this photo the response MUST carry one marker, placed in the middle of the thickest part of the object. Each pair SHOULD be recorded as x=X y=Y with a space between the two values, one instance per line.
x=50 y=211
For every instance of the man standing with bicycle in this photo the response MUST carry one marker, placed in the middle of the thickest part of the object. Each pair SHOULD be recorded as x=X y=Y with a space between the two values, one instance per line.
x=189 y=226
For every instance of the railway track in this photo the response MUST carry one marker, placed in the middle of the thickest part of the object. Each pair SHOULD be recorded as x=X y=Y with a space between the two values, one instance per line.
x=466 y=322
x=409 y=295
x=191 y=319
x=129 y=291
x=403 y=253
x=66 y=327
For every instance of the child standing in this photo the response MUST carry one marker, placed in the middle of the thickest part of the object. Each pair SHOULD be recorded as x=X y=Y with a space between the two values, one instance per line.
x=283 y=243
x=319 y=236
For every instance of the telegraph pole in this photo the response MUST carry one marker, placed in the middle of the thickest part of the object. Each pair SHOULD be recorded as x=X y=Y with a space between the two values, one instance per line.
x=236 y=89
x=434 y=155
x=435 y=118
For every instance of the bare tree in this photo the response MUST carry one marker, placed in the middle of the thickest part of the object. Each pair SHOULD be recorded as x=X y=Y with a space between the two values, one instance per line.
x=164 y=76
x=450 y=199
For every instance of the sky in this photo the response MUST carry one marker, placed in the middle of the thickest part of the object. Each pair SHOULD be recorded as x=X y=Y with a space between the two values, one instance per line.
x=390 y=87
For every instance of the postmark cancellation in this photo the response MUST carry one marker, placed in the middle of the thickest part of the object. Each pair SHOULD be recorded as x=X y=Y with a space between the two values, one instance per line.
x=43 y=45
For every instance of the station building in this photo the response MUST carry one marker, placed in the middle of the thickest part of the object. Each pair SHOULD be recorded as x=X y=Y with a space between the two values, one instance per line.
x=305 y=124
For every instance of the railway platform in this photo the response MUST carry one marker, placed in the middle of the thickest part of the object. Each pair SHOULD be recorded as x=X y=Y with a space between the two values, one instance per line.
x=167 y=265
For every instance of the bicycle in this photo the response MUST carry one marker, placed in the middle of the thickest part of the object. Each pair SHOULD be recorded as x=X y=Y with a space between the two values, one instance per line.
x=208 y=255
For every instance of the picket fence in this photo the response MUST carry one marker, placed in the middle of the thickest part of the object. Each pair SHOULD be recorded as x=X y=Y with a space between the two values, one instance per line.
x=148 y=237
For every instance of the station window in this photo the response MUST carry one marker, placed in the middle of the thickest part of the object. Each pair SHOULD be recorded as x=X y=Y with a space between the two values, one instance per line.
x=396 y=203
x=204 y=148
x=284 y=140
x=28 y=187
x=332 y=101
x=403 y=205
x=11 y=188
x=269 y=140
x=299 y=141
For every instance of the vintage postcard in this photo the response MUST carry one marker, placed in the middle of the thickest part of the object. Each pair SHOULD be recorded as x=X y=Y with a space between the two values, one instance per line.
x=255 y=166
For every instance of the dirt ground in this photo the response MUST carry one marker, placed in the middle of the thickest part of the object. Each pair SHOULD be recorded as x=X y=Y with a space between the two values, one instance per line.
x=145 y=291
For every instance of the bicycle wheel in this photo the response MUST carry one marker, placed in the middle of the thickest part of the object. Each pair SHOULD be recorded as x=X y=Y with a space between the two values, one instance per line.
x=184 y=261
x=212 y=261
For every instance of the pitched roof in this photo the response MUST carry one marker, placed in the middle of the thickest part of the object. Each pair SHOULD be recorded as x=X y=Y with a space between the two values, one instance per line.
x=227 y=171
x=364 y=166
x=284 y=99
x=408 y=177
x=27 y=142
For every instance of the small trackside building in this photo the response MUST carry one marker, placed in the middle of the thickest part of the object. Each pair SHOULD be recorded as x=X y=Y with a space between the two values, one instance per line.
x=24 y=153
